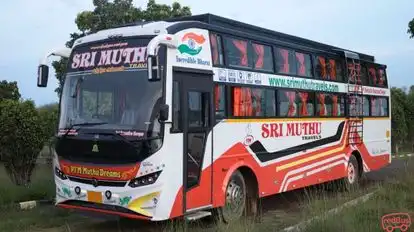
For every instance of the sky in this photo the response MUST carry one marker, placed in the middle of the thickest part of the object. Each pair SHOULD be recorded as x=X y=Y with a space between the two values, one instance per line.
x=375 y=27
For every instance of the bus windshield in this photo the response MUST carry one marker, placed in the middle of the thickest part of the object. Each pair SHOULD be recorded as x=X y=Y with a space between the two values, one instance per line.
x=107 y=85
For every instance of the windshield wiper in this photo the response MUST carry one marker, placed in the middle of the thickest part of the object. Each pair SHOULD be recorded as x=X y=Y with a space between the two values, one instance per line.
x=83 y=124
x=149 y=138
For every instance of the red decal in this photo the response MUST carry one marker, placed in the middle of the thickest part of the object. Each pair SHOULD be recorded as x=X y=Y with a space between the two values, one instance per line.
x=274 y=130
x=99 y=172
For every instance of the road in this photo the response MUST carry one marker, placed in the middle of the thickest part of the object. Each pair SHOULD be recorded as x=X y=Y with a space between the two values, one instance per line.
x=279 y=210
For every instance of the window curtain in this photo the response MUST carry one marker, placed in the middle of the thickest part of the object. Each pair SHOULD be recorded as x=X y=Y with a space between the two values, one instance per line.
x=322 y=108
x=242 y=47
x=257 y=94
x=285 y=55
x=373 y=75
x=259 y=49
x=373 y=107
x=335 y=106
x=381 y=106
x=381 y=77
x=217 y=94
x=301 y=60
x=214 y=49
x=242 y=102
x=332 y=69
x=304 y=100
x=322 y=63
x=292 y=105
x=351 y=71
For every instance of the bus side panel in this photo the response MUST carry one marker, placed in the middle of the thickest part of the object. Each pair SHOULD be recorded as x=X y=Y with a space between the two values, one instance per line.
x=321 y=163
x=377 y=143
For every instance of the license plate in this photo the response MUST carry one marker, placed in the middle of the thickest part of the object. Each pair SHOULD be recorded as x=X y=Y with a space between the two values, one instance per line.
x=95 y=197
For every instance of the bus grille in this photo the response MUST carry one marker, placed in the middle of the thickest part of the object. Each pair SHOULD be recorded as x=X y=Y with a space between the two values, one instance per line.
x=97 y=183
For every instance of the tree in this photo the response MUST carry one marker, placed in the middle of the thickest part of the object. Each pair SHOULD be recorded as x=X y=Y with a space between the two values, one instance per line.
x=49 y=116
x=21 y=139
x=49 y=121
x=110 y=14
x=9 y=90
x=409 y=115
x=411 y=28
x=398 y=121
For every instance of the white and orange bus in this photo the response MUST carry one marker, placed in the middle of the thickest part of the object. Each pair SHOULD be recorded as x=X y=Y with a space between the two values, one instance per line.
x=203 y=114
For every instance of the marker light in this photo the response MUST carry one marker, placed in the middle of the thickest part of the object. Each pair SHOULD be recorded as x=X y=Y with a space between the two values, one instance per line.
x=144 y=180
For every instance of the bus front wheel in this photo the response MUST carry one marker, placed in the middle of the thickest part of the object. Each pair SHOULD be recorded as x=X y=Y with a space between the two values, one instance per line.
x=235 y=199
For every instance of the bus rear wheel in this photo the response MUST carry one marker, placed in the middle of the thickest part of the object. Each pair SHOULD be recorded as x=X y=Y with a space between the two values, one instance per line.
x=351 y=180
x=235 y=199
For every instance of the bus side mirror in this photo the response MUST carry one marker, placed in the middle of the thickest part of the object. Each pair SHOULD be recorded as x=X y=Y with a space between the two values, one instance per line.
x=153 y=68
x=164 y=109
x=42 y=75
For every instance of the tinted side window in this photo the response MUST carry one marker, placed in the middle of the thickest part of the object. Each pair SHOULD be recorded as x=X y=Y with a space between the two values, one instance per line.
x=263 y=102
x=354 y=72
x=382 y=78
x=340 y=75
x=216 y=49
x=262 y=57
x=379 y=106
x=198 y=114
x=253 y=102
x=366 y=106
x=330 y=104
x=303 y=64
x=372 y=75
x=176 y=108
x=237 y=52
x=364 y=75
x=320 y=67
x=328 y=69
x=285 y=61
x=296 y=104
x=356 y=107
x=220 y=101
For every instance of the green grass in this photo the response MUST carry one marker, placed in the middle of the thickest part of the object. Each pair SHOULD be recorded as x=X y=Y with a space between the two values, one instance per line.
x=393 y=196
x=41 y=187
x=37 y=219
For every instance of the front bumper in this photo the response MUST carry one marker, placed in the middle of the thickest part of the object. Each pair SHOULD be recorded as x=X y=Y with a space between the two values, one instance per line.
x=102 y=209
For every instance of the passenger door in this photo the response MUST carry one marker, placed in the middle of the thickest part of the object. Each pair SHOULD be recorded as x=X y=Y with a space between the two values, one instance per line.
x=195 y=91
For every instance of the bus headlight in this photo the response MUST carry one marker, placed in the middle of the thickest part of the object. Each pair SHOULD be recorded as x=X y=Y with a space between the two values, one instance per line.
x=60 y=174
x=144 y=180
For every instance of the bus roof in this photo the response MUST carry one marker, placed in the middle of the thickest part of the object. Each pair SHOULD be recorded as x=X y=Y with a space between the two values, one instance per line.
x=231 y=24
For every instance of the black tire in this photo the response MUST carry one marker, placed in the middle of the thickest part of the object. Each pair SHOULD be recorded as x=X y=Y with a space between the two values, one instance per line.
x=235 y=199
x=351 y=180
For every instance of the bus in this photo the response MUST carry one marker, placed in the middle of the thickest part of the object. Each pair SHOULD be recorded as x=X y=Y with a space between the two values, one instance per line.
x=203 y=116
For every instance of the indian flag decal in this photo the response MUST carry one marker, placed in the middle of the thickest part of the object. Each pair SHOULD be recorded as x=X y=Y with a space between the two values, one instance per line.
x=191 y=44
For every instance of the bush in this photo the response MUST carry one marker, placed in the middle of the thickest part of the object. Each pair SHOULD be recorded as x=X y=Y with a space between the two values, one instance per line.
x=22 y=136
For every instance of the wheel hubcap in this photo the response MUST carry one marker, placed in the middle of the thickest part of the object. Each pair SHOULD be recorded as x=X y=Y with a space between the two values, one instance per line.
x=234 y=197
x=351 y=173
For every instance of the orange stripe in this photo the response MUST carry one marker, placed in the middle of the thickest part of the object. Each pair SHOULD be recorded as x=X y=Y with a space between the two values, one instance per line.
x=191 y=35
